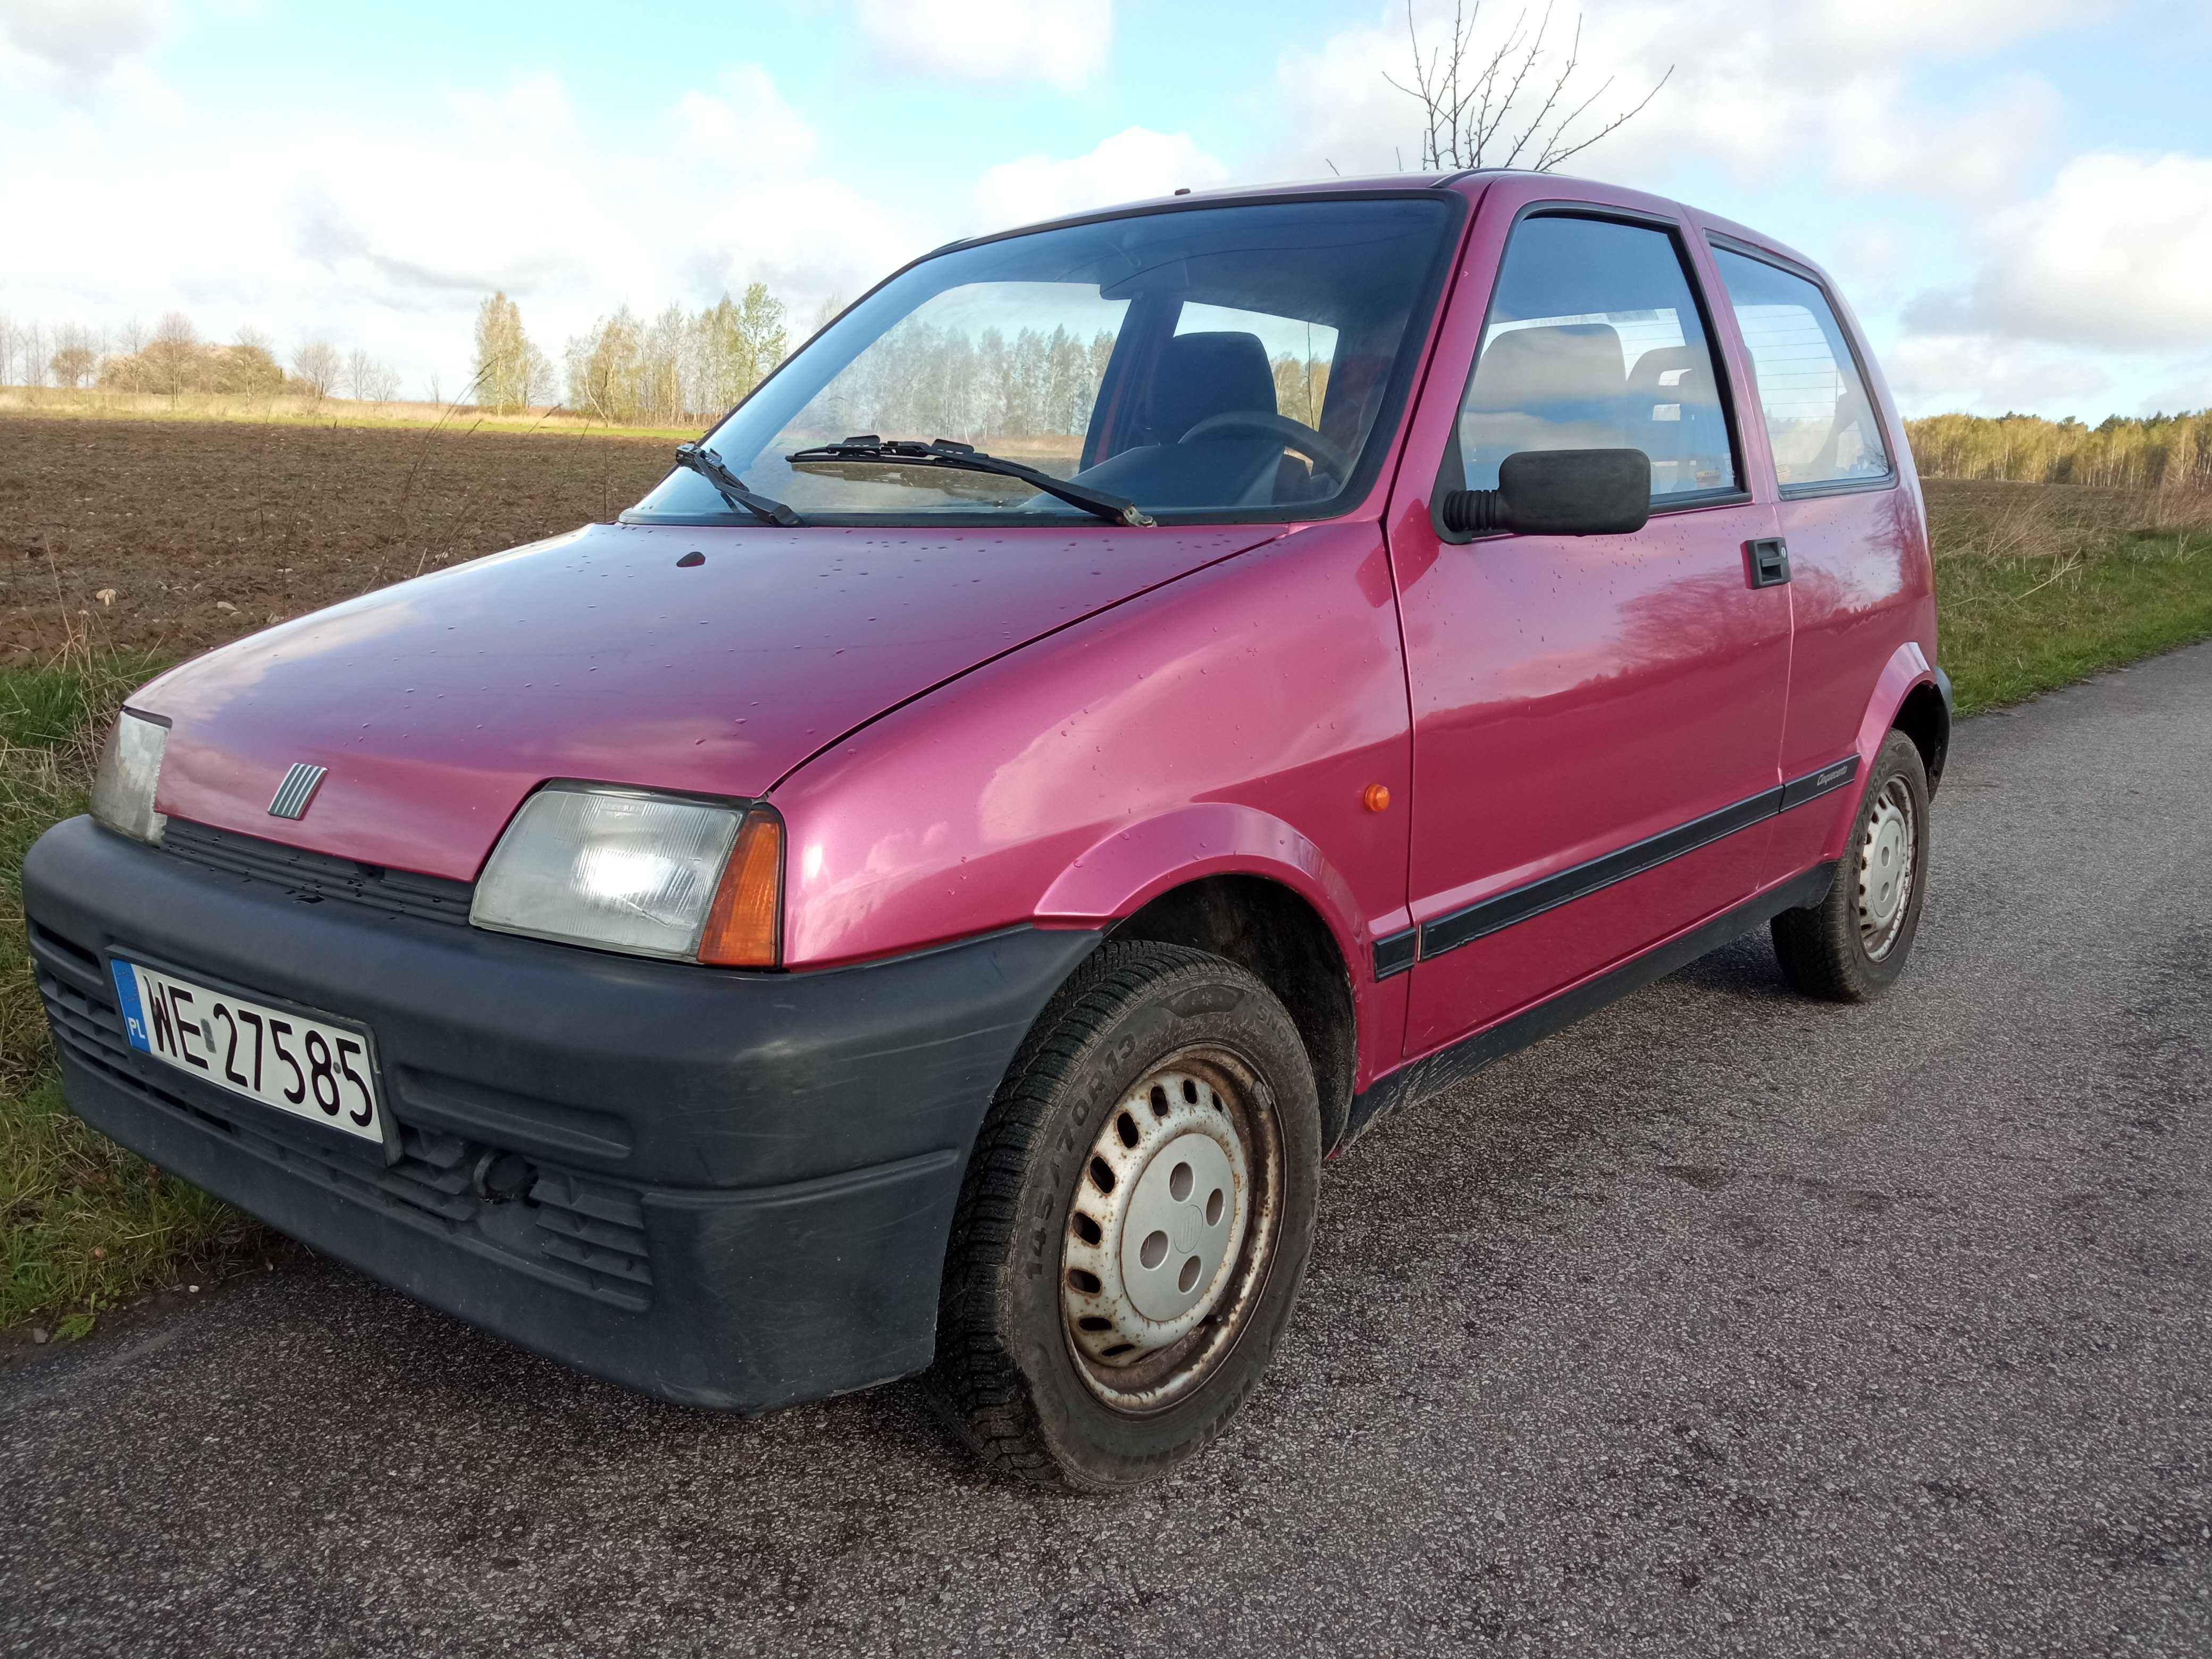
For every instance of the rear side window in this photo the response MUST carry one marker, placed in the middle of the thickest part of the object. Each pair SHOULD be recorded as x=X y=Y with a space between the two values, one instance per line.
x=1819 y=417
x=1593 y=341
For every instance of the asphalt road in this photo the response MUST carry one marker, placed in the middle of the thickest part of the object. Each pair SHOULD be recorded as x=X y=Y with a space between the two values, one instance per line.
x=1724 y=1323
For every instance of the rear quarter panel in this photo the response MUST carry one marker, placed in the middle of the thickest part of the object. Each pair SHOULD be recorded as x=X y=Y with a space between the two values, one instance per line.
x=1227 y=722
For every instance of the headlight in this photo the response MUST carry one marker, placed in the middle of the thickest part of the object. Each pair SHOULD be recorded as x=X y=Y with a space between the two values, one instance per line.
x=129 y=767
x=653 y=875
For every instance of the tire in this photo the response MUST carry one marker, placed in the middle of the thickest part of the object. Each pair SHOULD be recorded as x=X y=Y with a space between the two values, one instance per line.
x=1852 y=946
x=1159 y=1067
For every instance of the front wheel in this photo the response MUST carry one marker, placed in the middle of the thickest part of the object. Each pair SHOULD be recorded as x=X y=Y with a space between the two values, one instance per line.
x=1135 y=1222
x=1852 y=946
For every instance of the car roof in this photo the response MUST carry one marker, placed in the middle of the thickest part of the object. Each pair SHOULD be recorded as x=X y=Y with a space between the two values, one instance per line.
x=1469 y=181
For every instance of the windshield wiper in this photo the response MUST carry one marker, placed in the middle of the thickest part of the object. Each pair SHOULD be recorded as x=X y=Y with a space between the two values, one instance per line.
x=708 y=466
x=944 y=451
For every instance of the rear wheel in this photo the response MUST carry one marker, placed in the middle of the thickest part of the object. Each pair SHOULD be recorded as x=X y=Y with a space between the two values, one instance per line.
x=1134 y=1223
x=1852 y=946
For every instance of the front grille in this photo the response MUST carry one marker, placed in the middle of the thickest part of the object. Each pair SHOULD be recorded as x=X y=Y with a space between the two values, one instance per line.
x=312 y=877
x=588 y=1235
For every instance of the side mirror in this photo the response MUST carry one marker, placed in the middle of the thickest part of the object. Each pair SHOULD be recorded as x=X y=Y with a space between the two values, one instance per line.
x=1556 y=492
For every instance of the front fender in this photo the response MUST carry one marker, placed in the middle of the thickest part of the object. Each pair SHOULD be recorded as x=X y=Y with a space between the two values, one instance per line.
x=1125 y=870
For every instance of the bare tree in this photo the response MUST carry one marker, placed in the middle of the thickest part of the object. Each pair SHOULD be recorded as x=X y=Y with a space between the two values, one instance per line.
x=317 y=363
x=172 y=355
x=74 y=359
x=1516 y=106
x=32 y=340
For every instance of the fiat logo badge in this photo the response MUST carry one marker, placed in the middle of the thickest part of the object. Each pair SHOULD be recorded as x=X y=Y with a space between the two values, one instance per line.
x=297 y=790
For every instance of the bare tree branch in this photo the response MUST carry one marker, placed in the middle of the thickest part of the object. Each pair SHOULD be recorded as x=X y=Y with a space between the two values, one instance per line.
x=1551 y=158
x=1474 y=110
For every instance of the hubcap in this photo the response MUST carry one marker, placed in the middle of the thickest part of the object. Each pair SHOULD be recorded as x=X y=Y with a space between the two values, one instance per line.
x=1169 y=1230
x=1886 y=869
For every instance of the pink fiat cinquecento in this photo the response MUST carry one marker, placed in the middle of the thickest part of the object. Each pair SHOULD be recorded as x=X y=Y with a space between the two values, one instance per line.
x=1127 y=704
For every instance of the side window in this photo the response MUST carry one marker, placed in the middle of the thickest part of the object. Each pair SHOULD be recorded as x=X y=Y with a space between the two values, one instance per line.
x=1593 y=341
x=1819 y=417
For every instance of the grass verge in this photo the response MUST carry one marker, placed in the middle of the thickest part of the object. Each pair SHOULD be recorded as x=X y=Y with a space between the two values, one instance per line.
x=2032 y=596
x=84 y=1225
x=2034 y=591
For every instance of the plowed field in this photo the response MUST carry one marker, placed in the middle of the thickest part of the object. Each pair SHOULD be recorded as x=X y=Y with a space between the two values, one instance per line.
x=198 y=533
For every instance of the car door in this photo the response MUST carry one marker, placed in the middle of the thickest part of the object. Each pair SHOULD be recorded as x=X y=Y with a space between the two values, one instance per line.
x=1596 y=720
x=1851 y=529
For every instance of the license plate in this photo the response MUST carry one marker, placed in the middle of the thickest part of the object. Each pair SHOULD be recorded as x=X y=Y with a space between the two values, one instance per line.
x=308 y=1067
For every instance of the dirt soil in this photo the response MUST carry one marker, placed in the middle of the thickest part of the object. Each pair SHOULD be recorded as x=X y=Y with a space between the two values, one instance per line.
x=201 y=532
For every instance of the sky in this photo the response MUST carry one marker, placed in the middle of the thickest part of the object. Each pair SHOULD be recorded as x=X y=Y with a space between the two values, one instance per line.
x=2014 y=195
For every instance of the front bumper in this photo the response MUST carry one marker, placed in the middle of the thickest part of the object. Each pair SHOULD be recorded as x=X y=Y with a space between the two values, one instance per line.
x=742 y=1183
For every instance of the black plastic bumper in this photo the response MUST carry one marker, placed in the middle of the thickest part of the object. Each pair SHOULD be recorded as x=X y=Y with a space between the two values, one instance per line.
x=740 y=1186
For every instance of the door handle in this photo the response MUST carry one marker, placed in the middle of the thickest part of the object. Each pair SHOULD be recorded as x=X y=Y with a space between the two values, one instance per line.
x=1769 y=561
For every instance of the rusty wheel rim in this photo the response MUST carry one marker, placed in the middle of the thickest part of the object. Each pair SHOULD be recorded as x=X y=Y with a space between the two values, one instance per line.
x=1171 y=1229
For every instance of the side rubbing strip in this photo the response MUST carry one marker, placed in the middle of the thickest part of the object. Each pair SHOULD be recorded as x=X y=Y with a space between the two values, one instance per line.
x=1819 y=783
x=1393 y=953
x=1448 y=932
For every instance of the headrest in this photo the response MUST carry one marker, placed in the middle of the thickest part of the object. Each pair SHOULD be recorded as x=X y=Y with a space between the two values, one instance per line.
x=1202 y=375
x=1526 y=368
x=1668 y=360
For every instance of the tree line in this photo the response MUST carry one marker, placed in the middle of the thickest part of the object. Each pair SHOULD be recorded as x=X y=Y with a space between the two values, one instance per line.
x=686 y=368
x=680 y=368
x=172 y=359
x=2156 y=451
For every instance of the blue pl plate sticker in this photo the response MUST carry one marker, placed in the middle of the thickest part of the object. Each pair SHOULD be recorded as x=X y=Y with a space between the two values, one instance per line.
x=126 y=995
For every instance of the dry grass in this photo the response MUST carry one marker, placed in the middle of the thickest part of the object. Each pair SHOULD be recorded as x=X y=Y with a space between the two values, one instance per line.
x=1988 y=519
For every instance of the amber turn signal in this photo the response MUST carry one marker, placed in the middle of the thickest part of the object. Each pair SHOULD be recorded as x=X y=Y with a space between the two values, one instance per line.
x=742 y=929
x=1375 y=798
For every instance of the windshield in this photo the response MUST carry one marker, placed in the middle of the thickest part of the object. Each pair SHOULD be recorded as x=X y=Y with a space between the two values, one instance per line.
x=1229 y=363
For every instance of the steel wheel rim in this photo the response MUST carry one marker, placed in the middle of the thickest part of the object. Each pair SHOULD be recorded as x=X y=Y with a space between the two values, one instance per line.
x=1887 y=864
x=1154 y=1291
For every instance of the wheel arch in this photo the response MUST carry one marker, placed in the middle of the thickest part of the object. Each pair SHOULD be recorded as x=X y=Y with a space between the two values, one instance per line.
x=1924 y=716
x=1277 y=935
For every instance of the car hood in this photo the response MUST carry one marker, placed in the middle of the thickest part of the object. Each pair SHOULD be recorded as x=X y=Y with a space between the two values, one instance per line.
x=615 y=654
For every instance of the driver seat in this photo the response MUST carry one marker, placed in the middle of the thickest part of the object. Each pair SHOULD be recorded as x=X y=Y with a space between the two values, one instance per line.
x=1201 y=375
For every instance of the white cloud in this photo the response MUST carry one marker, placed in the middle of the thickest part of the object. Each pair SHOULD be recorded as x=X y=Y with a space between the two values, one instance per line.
x=1977 y=374
x=389 y=239
x=530 y=109
x=1061 y=43
x=748 y=128
x=2185 y=384
x=1770 y=90
x=1891 y=27
x=1131 y=164
x=82 y=40
x=2113 y=255
x=1967 y=155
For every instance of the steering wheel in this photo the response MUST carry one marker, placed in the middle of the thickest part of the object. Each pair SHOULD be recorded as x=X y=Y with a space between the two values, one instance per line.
x=1291 y=435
